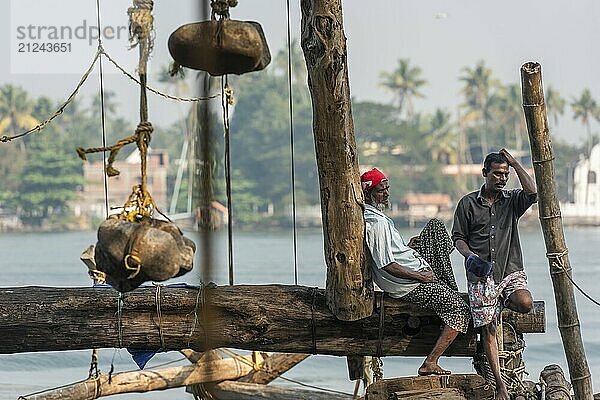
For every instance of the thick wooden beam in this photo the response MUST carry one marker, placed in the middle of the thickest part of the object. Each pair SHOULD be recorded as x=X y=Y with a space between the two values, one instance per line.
x=349 y=288
x=149 y=380
x=230 y=390
x=280 y=318
x=550 y=218
x=274 y=365
x=467 y=386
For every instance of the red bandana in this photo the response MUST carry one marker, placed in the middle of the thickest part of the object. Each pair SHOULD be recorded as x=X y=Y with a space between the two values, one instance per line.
x=371 y=179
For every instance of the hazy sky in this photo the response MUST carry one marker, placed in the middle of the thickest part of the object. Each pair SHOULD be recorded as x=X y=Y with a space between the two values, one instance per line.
x=440 y=36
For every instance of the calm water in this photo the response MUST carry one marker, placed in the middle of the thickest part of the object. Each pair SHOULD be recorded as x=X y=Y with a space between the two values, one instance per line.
x=53 y=260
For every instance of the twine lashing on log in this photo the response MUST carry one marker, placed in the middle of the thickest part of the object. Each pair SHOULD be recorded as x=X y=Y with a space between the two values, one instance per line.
x=314 y=325
x=381 y=326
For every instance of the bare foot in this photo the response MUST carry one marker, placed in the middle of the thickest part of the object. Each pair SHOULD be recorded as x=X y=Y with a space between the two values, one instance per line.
x=502 y=393
x=429 y=368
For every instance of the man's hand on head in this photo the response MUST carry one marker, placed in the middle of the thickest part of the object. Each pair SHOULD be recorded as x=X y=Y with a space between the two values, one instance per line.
x=511 y=160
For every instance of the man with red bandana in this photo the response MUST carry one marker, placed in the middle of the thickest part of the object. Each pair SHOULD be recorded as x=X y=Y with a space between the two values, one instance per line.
x=485 y=231
x=402 y=272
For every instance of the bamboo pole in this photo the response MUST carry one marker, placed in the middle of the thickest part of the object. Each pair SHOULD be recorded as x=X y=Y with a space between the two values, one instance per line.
x=549 y=210
x=149 y=380
x=349 y=287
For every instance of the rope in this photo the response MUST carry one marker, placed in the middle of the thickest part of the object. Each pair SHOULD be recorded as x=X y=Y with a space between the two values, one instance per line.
x=99 y=52
x=314 y=325
x=557 y=262
x=94 y=371
x=377 y=368
x=157 y=299
x=221 y=8
x=199 y=296
x=512 y=369
x=119 y=314
x=141 y=30
x=60 y=110
x=140 y=204
x=538 y=162
x=292 y=166
x=260 y=368
x=534 y=105
x=155 y=91
x=381 y=326
x=226 y=101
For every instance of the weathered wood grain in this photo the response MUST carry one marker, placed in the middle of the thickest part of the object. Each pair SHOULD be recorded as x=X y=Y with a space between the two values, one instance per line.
x=231 y=390
x=349 y=288
x=254 y=317
x=468 y=386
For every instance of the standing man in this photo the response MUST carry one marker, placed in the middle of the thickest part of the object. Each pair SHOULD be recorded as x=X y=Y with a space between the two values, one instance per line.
x=402 y=272
x=485 y=232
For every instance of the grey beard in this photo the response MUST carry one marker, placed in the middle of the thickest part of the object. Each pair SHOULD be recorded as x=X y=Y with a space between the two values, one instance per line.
x=380 y=206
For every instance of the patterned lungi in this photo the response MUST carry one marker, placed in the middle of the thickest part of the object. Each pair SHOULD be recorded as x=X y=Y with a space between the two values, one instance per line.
x=485 y=296
x=441 y=297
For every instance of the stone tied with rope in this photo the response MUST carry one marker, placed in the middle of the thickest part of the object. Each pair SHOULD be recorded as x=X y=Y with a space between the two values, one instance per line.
x=131 y=253
x=220 y=46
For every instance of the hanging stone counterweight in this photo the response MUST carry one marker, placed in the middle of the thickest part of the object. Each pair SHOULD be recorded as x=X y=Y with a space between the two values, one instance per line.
x=131 y=253
x=220 y=47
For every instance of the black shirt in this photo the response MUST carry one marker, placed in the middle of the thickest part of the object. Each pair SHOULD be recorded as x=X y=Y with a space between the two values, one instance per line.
x=491 y=231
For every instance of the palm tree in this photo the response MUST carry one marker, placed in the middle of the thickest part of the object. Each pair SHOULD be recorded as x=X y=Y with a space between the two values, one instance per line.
x=585 y=108
x=555 y=104
x=16 y=111
x=511 y=113
x=442 y=139
x=478 y=89
x=405 y=82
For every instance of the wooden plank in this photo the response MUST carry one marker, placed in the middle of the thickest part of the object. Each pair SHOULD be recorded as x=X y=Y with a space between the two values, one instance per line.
x=446 y=394
x=471 y=386
x=349 y=286
x=249 y=391
x=262 y=317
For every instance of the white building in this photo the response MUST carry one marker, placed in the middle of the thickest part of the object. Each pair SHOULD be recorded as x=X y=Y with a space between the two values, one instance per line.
x=586 y=190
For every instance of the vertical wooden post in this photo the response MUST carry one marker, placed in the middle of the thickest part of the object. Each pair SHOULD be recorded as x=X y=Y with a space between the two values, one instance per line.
x=549 y=210
x=349 y=288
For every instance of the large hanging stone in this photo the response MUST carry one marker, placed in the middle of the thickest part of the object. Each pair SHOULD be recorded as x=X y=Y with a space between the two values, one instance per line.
x=157 y=247
x=220 y=47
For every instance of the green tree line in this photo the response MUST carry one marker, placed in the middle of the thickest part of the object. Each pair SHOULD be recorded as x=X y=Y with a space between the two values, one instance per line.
x=41 y=173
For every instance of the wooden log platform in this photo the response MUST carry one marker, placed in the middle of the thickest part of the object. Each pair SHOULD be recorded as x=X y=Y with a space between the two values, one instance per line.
x=234 y=390
x=278 y=318
x=451 y=387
